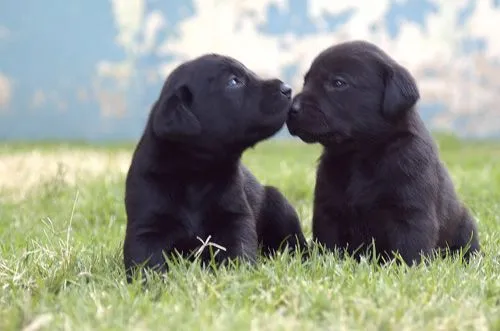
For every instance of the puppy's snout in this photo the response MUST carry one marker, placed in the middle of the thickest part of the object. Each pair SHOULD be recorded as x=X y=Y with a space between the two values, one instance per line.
x=286 y=90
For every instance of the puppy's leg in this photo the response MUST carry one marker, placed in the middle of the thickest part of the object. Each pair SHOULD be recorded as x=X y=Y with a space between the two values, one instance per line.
x=145 y=251
x=466 y=238
x=279 y=225
x=326 y=232
x=414 y=238
x=239 y=239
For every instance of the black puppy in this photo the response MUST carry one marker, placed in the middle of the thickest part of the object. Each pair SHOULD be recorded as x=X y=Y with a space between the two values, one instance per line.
x=379 y=178
x=186 y=181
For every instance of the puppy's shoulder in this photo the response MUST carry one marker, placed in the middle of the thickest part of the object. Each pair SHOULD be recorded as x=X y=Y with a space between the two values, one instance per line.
x=410 y=154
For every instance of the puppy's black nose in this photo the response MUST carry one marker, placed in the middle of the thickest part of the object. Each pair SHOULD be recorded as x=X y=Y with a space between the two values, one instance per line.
x=286 y=90
x=295 y=108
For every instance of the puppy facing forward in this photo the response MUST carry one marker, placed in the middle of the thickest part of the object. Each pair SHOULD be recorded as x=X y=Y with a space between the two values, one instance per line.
x=379 y=178
x=186 y=181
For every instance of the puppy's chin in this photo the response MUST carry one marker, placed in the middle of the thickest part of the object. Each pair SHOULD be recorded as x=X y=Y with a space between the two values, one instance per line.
x=307 y=137
x=265 y=129
x=296 y=130
x=272 y=119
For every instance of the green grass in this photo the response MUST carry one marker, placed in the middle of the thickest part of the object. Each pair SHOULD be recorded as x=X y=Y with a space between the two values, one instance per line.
x=61 y=259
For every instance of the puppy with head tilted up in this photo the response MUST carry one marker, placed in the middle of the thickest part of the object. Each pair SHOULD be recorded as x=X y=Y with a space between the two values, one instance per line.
x=186 y=181
x=379 y=179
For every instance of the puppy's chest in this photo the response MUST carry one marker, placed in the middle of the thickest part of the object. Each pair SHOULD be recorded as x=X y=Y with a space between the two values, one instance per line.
x=353 y=188
x=193 y=206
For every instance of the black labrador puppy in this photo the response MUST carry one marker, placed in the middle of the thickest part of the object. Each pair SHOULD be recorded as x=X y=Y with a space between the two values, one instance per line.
x=186 y=181
x=379 y=179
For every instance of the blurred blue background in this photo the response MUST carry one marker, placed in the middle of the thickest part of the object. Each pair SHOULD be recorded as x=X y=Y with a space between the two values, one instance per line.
x=90 y=69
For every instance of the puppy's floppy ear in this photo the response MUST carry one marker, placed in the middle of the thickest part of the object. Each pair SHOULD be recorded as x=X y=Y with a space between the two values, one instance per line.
x=401 y=91
x=173 y=118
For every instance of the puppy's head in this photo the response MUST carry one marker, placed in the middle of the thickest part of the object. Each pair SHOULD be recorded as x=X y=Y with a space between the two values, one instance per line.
x=353 y=92
x=215 y=102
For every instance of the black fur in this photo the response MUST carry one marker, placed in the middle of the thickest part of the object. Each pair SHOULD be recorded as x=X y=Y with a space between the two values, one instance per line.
x=186 y=180
x=379 y=178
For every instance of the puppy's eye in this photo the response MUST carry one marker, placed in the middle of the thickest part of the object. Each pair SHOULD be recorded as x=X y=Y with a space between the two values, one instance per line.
x=234 y=82
x=337 y=84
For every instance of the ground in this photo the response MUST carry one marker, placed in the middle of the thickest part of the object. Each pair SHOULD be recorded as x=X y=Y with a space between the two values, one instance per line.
x=61 y=230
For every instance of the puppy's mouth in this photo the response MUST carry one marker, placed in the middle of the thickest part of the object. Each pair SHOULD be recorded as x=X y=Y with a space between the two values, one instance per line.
x=277 y=106
x=327 y=138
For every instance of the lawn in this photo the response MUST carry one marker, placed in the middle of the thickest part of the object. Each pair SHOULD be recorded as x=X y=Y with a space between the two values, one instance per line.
x=62 y=223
